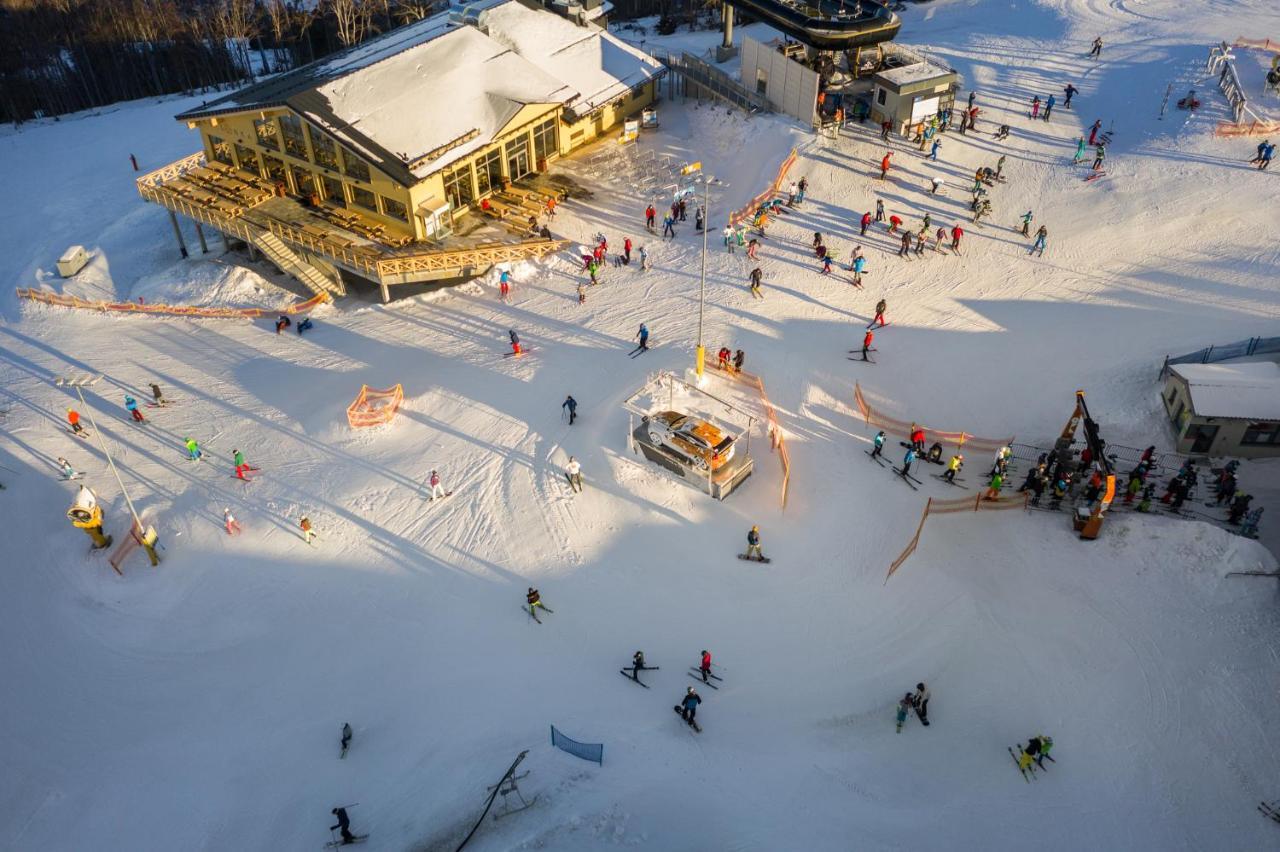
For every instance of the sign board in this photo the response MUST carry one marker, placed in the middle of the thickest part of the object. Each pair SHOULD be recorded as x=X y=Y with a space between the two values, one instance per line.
x=922 y=108
x=630 y=130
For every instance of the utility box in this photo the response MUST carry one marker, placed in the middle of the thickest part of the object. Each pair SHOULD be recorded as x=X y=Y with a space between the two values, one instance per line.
x=72 y=261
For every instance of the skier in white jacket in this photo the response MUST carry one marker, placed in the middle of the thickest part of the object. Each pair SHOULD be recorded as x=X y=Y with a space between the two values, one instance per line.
x=573 y=470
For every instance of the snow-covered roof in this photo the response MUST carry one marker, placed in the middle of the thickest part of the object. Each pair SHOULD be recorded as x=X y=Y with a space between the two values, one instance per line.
x=589 y=60
x=918 y=72
x=1245 y=391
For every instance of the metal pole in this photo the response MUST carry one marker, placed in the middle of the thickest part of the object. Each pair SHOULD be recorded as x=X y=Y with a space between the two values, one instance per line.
x=101 y=443
x=702 y=284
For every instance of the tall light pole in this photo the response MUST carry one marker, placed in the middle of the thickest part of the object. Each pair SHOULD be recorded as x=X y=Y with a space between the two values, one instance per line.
x=707 y=181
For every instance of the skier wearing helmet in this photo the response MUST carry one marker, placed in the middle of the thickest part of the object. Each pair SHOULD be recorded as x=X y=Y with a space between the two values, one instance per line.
x=753 y=544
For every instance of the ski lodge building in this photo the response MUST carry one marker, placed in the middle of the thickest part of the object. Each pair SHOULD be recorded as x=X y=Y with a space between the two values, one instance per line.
x=412 y=156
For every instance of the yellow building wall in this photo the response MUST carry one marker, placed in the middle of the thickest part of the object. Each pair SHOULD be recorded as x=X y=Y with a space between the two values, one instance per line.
x=606 y=118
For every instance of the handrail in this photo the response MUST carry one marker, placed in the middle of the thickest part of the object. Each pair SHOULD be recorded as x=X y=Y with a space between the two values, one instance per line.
x=167 y=310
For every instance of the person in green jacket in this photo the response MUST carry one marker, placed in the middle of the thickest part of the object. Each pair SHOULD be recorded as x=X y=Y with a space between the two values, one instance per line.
x=193 y=449
x=993 y=490
x=1079 y=150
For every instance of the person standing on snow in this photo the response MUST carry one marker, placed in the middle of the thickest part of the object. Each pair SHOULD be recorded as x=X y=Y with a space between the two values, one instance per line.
x=753 y=246
x=753 y=544
x=668 y=226
x=698 y=221
x=643 y=336
x=956 y=233
x=865 y=223
x=879 y=210
x=504 y=285
x=729 y=240
x=884 y=165
x=739 y=358
x=921 y=702
x=953 y=467
x=308 y=533
x=859 y=264
x=1096 y=52
x=878 y=442
x=1079 y=150
x=1070 y=92
x=650 y=214
x=1035 y=107
x=573 y=470
x=644 y=260
x=437 y=490
x=904 y=709
x=242 y=467
x=131 y=405
x=906 y=243
x=229 y=521
x=917 y=437
x=572 y=405
x=1048 y=106
x=933 y=150
x=689 y=706
x=879 y=317
x=1093 y=132
x=1038 y=245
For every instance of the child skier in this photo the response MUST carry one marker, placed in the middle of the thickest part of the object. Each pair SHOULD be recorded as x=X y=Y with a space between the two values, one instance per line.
x=229 y=521
x=193 y=449
x=157 y=396
x=131 y=405
x=643 y=336
x=68 y=472
x=437 y=490
x=879 y=317
x=535 y=600
x=993 y=488
x=907 y=459
x=307 y=532
x=879 y=444
x=866 y=343
x=515 y=342
x=953 y=467
x=904 y=708
x=242 y=467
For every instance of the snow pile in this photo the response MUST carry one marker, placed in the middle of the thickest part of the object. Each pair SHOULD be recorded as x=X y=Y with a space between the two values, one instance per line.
x=209 y=284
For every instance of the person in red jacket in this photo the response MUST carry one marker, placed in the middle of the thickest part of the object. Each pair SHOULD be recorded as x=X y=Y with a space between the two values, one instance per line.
x=705 y=667
x=649 y=215
x=866 y=343
x=884 y=165
x=626 y=251
x=894 y=222
x=956 y=233
x=917 y=438
x=866 y=222
x=73 y=417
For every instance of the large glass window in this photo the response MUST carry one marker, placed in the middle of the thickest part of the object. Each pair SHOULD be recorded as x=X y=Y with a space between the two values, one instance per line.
x=275 y=169
x=267 y=133
x=1261 y=433
x=394 y=209
x=221 y=150
x=295 y=142
x=326 y=153
x=303 y=181
x=364 y=198
x=333 y=191
x=544 y=140
x=457 y=186
x=248 y=159
x=489 y=172
x=354 y=166
x=518 y=157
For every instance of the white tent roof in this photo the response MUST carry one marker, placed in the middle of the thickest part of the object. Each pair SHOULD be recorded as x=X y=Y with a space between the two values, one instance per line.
x=1244 y=391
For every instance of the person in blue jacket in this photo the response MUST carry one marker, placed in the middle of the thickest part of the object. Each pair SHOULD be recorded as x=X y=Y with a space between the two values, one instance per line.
x=132 y=405
x=571 y=404
x=879 y=442
x=643 y=334
x=907 y=460
x=689 y=705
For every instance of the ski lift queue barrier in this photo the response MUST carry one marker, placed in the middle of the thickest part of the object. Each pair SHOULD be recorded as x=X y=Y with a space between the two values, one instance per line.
x=977 y=503
x=168 y=310
x=373 y=407
x=748 y=211
x=902 y=427
x=777 y=441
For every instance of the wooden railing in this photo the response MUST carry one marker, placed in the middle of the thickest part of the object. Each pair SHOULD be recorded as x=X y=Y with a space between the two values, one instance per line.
x=167 y=310
x=486 y=255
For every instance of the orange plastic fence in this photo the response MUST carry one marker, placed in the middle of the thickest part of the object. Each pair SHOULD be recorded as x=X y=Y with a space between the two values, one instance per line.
x=748 y=211
x=167 y=310
x=875 y=417
x=1258 y=44
x=777 y=441
x=977 y=503
x=1250 y=128
x=374 y=407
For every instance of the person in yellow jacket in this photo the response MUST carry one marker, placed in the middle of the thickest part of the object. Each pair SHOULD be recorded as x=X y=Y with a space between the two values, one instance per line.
x=953 y=467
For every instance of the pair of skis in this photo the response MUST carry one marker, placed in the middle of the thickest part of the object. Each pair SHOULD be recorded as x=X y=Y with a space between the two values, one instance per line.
x=907 y=478
x=357 y=838
x=1270 y=811
x=532 y=614
x=638 y=351
x=635 y=674
x=697 y=674
x=875 y=457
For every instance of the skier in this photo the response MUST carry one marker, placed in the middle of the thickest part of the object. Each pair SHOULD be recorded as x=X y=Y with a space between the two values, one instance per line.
x=729 y=240
x=1099 y=155
x=344 y=825
x=884 y=165
x=1093 y=132
x=933 y=150
x=866 y=343
x=859 y=264
x=645 y=266
x=895 y=222
x=1039 y=747
x=953 y=467
x=956 y=233
x=920 y=241
x=346 y=737
x=534 y=600
x=1096 y=51
x=572 y=405
x=193 y=449
x=906 y=243
x=305 y=325
x=637 y=666
x=921 y=702
x=803 y=186
x=437 y=490
x=755 y=276
x=705 y=665
x=1079 y=150
x=131 y=405
x=865 y=223
x=68 y=472
x=515 y=341
x=739 y=358
x=229 y=521
x=1070 y=91
x=939 y=239
x=242 y=467
x=626 y=251
x=1267 y=153
x=504 y=284
x=723 y=357
x=904 y=708
x=668 y=227
x=689 y=707
x=917 y=438
x=73 y=417
x=649 y=215
x=879 y=443
x=1037 y=247
x=1026 y=223
x=582 y=294
x=879 y=210
x=907 y=459
x=753 y=544
x=826 y=264
x=1035 y=107
x=643 y=336
x=157 y=396
x=879 y=317
x=993 y=488
x=1048 y=106
x=573 y=470
x=697 y=219
x=753 y=246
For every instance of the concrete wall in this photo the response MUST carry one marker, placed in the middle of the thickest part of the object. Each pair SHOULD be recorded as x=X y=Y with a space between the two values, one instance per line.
x=790 y=87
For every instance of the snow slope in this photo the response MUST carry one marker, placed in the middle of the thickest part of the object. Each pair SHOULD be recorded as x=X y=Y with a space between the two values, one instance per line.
x=198 y=705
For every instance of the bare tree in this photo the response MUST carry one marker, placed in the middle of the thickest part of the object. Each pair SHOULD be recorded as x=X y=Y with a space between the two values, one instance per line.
x=413 y=10
x=238 y=21
x=351 y=19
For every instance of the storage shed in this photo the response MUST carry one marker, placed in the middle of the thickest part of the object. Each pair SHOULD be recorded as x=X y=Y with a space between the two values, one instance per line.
x=1225 y=409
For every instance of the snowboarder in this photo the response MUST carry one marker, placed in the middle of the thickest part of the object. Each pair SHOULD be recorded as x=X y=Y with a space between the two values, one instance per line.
x=1026 y=223
x=157 y=396
x=753 y=544
x=1037 y=247
x=907 y=459
x=705 y=666
x=1249 y=528
x=643 y=336
x=879 y=444
x=573 y=470
x=1096 y=51
x=689 y=707
x=571 y=405
x=437 y=490
x=879 y=210
x=904 y=708
x=1048 y=106
x=953 y=467
x=131 y=405
x=879 y=317
x=515 y=342
x=344 y=825
x=756 y=275
x=921 y=702
x=229 y=521
x=305 y=325
x=307 y=532
x=1070 y=91
x=193 y=449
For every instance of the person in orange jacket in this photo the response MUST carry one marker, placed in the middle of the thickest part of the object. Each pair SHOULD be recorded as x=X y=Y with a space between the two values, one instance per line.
x=884 y=164
x=866 y=344
x=73 y=417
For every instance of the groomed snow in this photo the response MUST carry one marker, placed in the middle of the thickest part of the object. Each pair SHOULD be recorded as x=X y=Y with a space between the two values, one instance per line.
x=199 y=705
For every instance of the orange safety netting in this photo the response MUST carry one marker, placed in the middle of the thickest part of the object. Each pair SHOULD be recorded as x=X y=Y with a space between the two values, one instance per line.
x=168 y=310
x=976 y=503
x=1258 y=44
x=374 y=407
x=877 y=418
x=748 y=211
x=1250 y=128
x=777 y=441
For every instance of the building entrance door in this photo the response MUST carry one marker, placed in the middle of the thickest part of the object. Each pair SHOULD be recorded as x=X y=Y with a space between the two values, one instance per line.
x=1202 y=437
x=517 y=159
